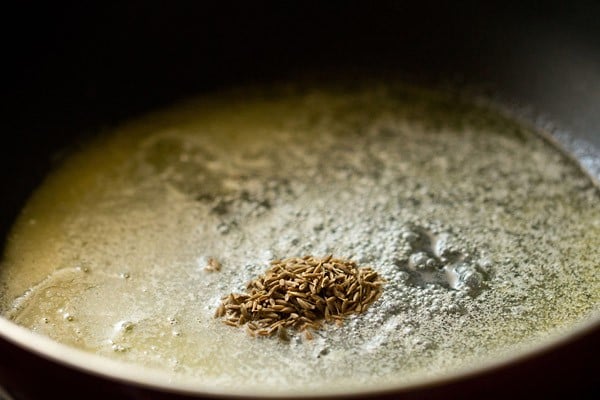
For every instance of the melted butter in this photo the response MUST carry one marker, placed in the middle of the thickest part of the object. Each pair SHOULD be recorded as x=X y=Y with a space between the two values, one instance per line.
x=483 y=231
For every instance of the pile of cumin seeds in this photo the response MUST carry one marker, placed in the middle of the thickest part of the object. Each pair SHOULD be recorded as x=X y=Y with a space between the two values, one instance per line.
x=300 y=293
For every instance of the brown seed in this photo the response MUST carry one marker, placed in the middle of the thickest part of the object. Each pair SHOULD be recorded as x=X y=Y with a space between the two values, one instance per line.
x=305 y=304
x=212 y=265
x=344 y=305
x=220 y=311
x=310 y=315
x=353 y=287
x=276 y=295
x=310 y=275
x=372 y=297
x=337 y=291
x=308 y=335
x=239 y=297
x=282 y=333
x=298 y=294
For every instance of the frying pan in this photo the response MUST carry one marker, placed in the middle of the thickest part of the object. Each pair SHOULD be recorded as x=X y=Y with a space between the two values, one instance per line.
x=76 y=69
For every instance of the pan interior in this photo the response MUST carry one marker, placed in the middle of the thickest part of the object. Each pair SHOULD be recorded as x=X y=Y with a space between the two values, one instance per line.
x=488 y=236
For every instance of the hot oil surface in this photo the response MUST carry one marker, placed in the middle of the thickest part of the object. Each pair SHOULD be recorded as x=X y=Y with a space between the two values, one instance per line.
x=488 y=237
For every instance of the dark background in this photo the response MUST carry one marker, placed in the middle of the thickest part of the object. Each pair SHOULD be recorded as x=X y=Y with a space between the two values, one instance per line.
x=74 y=68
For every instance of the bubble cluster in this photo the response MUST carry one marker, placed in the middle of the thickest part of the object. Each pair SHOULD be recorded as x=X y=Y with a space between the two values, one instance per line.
x=440 y=259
